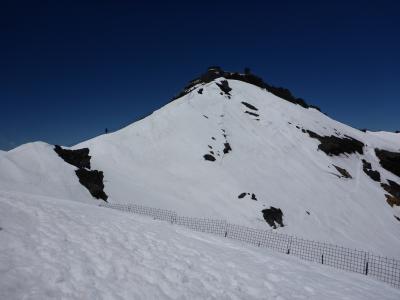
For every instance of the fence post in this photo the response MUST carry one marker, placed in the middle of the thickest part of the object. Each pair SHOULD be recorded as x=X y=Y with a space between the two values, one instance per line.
x=289 y=244
x=366 y=263
x=226 y=229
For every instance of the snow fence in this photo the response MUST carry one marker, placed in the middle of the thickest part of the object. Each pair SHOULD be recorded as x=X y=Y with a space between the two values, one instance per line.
x=358 y=261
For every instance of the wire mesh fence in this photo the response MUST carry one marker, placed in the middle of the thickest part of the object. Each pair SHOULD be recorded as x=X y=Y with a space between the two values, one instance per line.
x=381 y=268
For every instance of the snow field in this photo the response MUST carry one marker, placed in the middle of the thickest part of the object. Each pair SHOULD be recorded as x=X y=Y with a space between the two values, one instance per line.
x=59 y=249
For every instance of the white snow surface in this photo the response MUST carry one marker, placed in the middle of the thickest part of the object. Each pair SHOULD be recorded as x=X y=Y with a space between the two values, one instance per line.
x=58 y=249
x=158 y=162
x=35 y=168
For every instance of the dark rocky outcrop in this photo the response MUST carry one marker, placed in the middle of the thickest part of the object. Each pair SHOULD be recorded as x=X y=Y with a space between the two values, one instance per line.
x=373 y=174
x=209 y=157
x=343 y=172
x=393 y=189
x=253 y=196
x=273 y=216
x=389 y=160
x=93 y=181
x=215 y=72
x=227 y=148
x=315 y=107
x=333 y=145
x=200 y=91
x=392 y=201
x=79 y=158
x=277 y=91
x=249 y=106
x=251 y=113
x=224 y=86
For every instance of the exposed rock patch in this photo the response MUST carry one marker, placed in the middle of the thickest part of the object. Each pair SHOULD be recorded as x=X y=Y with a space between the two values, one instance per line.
x=79 y=158
x=343 y=172
x=394 y=190
x=200 y=91
x=224 y=86
x=227 y=148
x=251 y=113
x=249 y=106
x=215 y=72
x=253 y=196
x=93 y=181
x=209 y=157
x=273 y=216
x=373 y=174
x=389 y=160
x=333 y=145
x=392 y=201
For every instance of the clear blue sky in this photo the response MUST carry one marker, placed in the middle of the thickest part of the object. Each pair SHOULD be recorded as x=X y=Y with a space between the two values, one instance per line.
x=69 y=69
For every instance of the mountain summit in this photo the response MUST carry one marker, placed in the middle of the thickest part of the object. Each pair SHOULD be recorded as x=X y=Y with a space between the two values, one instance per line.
x=231 y=146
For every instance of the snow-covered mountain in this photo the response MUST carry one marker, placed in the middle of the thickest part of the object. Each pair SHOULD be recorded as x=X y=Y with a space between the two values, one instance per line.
x=233 y=147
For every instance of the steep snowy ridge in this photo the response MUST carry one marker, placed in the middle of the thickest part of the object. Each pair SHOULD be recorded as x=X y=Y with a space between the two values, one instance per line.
x=260 y=145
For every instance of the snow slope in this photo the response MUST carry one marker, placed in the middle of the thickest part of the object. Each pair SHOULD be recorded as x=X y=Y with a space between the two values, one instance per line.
x=159 y=162
x=58 y=249
x=35 y=168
